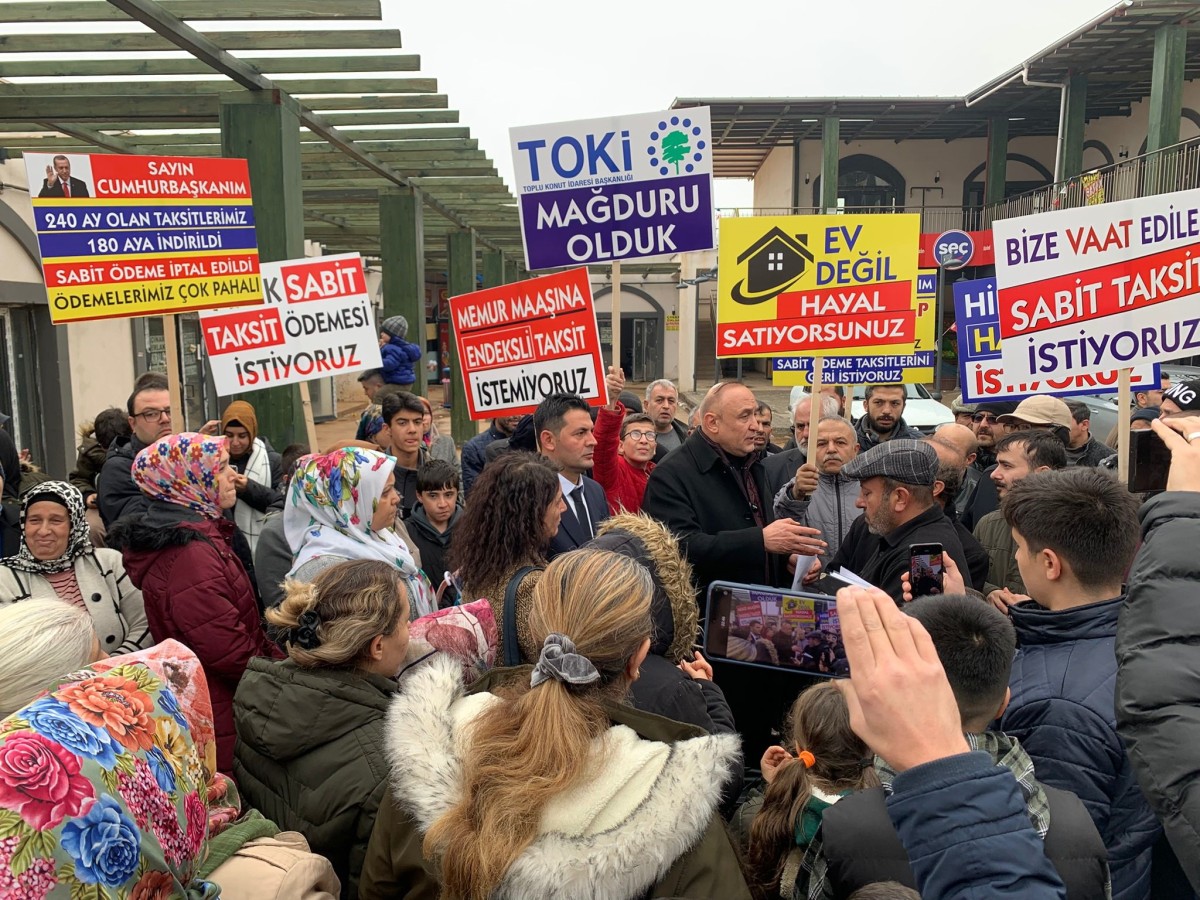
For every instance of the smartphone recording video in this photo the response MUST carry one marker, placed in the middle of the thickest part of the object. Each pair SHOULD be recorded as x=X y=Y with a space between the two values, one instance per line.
x=926 y=569
x=775 y=629
x=1149 y=462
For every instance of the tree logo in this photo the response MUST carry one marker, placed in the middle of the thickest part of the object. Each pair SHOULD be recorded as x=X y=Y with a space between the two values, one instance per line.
x=672 y=146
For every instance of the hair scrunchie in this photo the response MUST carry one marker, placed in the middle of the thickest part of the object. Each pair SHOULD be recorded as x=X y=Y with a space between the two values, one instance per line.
x=305 y=635
x=558 y=660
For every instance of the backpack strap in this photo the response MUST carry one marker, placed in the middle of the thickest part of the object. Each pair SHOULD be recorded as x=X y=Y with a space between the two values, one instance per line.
x=512 y=650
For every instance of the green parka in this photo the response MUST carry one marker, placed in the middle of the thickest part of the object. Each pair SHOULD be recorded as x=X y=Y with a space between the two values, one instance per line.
x=310 y=755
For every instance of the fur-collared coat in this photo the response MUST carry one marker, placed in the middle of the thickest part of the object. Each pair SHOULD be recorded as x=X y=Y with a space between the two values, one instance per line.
x=645 y=824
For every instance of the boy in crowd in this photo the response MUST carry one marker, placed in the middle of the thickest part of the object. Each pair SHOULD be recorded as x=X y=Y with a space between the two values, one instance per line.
x=403 y=422
x=433 y=520
x=975 y=645
x=1076 y=531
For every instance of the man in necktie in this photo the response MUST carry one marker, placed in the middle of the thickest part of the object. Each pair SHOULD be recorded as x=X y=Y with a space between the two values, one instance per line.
x=59 y=182
x=563 y=425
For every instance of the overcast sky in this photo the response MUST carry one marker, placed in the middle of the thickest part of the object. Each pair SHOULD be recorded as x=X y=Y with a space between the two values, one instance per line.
x=524 y=62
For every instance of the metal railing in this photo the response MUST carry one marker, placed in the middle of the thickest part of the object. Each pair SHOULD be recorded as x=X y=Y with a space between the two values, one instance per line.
x=934 y=219
x=1174 y=168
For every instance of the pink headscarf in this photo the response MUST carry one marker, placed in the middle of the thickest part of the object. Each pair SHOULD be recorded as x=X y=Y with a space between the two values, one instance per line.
x=182 y=469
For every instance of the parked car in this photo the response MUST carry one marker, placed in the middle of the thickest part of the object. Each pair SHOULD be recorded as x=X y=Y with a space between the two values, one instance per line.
x=921 y=411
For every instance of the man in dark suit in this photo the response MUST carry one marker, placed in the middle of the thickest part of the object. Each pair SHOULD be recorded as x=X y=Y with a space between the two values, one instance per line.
x=563 y=425
x=59 y=182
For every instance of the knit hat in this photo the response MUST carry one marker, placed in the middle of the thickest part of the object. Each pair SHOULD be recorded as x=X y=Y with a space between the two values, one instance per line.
x=900 y=459
x=1146 y=414
x=1185 y=395
x=395 y=326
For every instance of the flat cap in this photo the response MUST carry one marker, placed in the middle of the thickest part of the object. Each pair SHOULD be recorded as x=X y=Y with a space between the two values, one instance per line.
x=900 y=459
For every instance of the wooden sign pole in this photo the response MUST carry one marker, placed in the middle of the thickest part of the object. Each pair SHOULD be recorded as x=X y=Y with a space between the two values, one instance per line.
x=616 y=315
x=814 y=408
x=1123 y=404
x=310 y=425
x=174 y=389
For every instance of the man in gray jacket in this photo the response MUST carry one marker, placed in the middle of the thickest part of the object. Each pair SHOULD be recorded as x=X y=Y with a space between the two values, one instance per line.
x=819 y=495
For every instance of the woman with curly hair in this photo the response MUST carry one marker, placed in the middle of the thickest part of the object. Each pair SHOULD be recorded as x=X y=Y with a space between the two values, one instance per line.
x=179 y=552
x=499 y=546
x=341 y=506
x=542 y=782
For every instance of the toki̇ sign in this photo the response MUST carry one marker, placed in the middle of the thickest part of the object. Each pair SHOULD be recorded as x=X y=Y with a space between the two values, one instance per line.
x=626 y=187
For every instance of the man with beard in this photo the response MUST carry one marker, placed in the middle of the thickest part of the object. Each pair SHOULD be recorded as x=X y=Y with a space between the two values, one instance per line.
x=951 y=468
x=963 y=439
x=988 y=429
x=896 y=481
x=884 y=418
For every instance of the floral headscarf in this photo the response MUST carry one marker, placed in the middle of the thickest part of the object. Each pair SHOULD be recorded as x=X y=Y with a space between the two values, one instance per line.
x=182 y=469
x=103 y=781
x=79 y=540
x=331 y=503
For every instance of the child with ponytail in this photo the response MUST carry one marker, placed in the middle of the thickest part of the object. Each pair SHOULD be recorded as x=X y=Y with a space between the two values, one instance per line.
x=780 y=827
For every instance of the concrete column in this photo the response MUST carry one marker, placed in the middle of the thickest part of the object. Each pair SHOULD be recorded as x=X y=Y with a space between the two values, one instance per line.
x=1166 y=86
x=512 y=271
x=402 y=248
x=493 y=268
x=266 y=132
x=831 y=128
x=1073 y=122
x=460 y=279
x=997 y=160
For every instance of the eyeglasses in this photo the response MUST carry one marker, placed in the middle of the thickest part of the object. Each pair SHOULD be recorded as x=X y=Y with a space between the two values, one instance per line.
x=985 y=417
x=638 y=435
x=153 y=415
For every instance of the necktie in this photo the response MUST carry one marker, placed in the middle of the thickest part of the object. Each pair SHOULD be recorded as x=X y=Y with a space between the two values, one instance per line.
x=66 y=188
x=581 y=510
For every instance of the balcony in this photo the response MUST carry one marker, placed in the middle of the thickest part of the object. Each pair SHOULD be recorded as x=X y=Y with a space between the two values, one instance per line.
x=1174 y=168
x=934 y=219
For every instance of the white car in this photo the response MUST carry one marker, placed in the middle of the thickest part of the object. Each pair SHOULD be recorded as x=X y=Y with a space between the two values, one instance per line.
x=921 y=411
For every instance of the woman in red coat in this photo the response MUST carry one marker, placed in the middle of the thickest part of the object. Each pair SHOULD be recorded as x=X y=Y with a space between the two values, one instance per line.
x=180 y=554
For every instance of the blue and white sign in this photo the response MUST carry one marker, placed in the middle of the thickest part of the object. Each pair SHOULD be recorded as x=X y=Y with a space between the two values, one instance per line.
x=953 y=249
x=980 y=367
x=627 y=187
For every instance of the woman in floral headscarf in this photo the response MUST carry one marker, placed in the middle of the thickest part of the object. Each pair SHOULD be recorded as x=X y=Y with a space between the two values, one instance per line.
x=180 y=553
x=342 y=505
x=57 y=560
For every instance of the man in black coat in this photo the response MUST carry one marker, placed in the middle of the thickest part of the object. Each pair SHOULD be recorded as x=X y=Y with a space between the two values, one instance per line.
x=713 y=495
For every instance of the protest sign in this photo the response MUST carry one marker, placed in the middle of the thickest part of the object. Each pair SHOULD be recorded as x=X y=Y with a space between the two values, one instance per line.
x=519 y=343
x=913 y=368
x=123 y=236
x=818 y=285
x=626 y=187
x=981 y=371
x=1099 y=287
x=314 y=320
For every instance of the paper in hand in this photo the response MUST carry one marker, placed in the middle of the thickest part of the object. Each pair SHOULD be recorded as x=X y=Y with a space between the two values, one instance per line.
x=803 y=564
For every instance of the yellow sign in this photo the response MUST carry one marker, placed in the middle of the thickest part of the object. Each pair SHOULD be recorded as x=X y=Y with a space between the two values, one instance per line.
x=818 y=285
x=672 y=322
x=874 y=368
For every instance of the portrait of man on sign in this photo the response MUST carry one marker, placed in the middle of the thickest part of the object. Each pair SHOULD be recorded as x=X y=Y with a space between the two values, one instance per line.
x=59 y=181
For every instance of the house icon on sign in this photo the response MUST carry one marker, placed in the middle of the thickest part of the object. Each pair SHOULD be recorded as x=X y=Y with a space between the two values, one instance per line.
x=773 y=263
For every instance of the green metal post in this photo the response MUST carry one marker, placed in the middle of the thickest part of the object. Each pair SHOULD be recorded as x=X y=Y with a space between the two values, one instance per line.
x=266 y=132
x=831 y=127
x=512 y=271
x=493 y=268
x=460 y=279
x=1073 y=122
x=1166 y=86
x=402 y=248
x=997 y=160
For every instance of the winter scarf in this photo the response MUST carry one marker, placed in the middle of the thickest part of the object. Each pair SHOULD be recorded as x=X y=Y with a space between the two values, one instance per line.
x=79 y=540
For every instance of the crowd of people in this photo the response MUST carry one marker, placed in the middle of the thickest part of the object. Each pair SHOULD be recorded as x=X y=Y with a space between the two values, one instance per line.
x=387 y=670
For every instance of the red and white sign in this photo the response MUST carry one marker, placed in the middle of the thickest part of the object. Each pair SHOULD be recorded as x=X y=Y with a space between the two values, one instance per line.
x=316 y=321
x=519 y=343
x=1100 y=287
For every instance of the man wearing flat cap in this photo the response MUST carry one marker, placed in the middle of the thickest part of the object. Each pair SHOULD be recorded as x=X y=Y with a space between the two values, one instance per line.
x=896 y=480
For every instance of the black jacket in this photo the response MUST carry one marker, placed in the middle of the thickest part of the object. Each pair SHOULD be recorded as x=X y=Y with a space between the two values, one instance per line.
x=79 y=188
x=262 y=497
x=781 y=467
x=572 y=534
x=406 y=484
x=889 y=559
x=1157 y=695
x=700 y=499
x=861 y=845
x=868 y=438
x=433 y=545
x=978 y=560
x=473 y=454
x=117 y=495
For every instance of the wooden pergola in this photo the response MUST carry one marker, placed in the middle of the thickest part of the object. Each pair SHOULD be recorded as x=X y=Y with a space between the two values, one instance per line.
x=369 y=120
